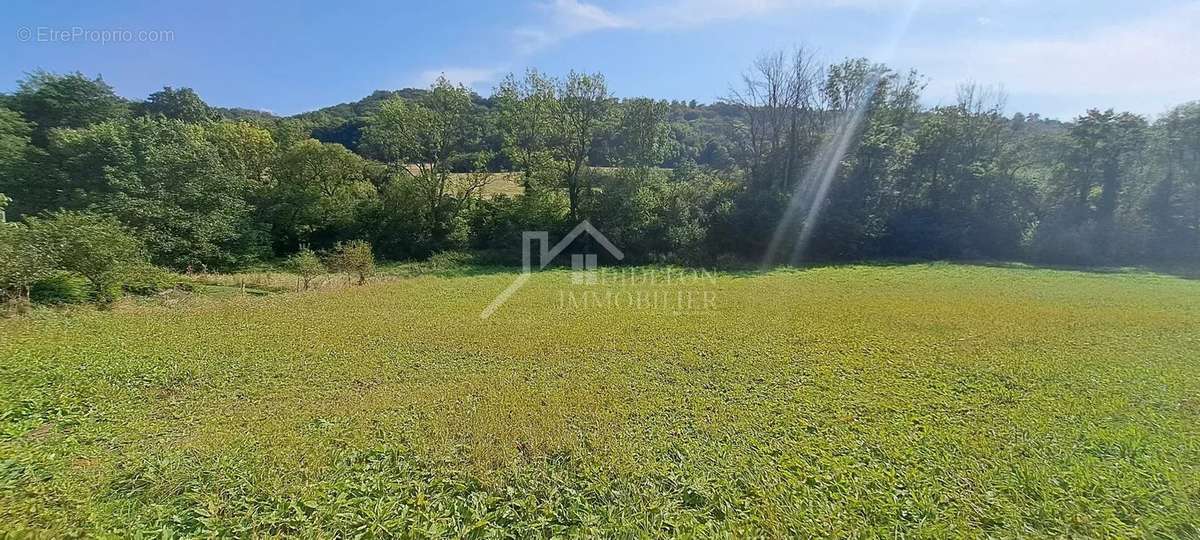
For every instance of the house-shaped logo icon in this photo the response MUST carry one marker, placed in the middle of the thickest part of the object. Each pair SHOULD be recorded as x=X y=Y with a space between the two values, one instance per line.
x=581 y=264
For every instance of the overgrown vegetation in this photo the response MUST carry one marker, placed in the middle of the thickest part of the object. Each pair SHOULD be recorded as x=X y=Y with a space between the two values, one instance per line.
x=306 y=265
x=45 y=252
x=413 y=172
x=922 y=400
x=354 y=257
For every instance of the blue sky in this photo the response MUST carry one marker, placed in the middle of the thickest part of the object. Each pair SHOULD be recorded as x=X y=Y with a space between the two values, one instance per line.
x=1057 y=57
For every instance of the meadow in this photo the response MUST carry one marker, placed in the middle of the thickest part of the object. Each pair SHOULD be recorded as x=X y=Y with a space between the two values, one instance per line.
x=924 y=400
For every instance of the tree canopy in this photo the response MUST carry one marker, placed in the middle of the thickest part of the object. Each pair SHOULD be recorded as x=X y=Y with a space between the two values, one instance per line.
x=809 y=160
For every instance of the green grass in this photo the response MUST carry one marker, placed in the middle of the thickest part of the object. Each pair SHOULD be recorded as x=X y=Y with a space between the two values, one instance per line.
x=923 y=400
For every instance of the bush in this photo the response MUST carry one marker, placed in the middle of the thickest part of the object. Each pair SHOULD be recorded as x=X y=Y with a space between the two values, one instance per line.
x=63 y=288
x=25 y=259
x=96 y=247
x=496 y=225
x=145 y=280
x=353 y=257
x=450 y=260
x=107 y=293
x=1057 y=243
x=306 y=264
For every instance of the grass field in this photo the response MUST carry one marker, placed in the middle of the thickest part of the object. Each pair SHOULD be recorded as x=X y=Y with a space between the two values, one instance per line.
x=924 y=400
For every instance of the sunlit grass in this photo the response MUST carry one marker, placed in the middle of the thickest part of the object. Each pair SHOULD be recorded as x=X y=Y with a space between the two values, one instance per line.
x=926 y=399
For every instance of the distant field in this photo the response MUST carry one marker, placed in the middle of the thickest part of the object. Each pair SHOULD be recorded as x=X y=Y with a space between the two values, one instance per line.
x=504 y=184
x=509 y=183
x=924 y=400
x=501 y=183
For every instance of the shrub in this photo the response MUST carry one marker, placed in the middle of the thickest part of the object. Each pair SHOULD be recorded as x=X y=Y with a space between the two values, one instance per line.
x=62 y=288
x=306 y=264
x=1058 y=243
x=25 y=258
x=450 y=260
x=96 y=247
x=353 y=257
x=144 y=280
x=107 y=293
x=497 y=224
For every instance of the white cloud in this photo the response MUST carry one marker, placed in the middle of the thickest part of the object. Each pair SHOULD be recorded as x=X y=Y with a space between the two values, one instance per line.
x=1144 y=62
x=692 y=13
x=470 y=77
x=576 y=17
x=1138 y=63
x=568 y=18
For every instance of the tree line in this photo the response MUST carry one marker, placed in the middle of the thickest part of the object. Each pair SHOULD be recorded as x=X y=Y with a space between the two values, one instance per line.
x=415 y=172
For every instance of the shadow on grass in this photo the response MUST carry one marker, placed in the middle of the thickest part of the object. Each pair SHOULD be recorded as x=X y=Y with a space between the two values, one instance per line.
x=466 y=265
x=1174 y=270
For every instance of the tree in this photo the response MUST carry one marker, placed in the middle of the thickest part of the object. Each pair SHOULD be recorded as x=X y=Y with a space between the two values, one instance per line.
x=64 y=101
x=642 y=132
x=166 y=180
x=306 y=264
x=25 y=258
x=354 y=257
x=780 y=102
x=1173 y=203
x=319 y=187
x=424 y=141
x=182 y=104
x=862 y=197
x=16 y=160
x=1104 y=149
x=960 y=196
x=526 y=109
x=583 y=104
x=97 y=247
x=245 y=150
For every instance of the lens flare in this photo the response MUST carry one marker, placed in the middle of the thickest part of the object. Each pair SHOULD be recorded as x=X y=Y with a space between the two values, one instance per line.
x=810 y=193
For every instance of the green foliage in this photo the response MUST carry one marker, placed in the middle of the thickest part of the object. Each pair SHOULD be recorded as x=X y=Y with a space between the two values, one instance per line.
x=61 y=288
x=182 y=104
x=353 y=257
x=1102 y=151
x=584 y=105
x=306 y=264
x=245 y=150
x=26 y=257
x=828 y=162
x=397 y=224
x=497 y=224
x=16 y=163
x=319 y=188
x=960 y=196
x=145 y=280
x=641 y=133
x=424 y=141
x=169 y=182
x=96 y=247
x=52 y=101
x=526 y=109
x=14 y=138
x=1172 y=196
